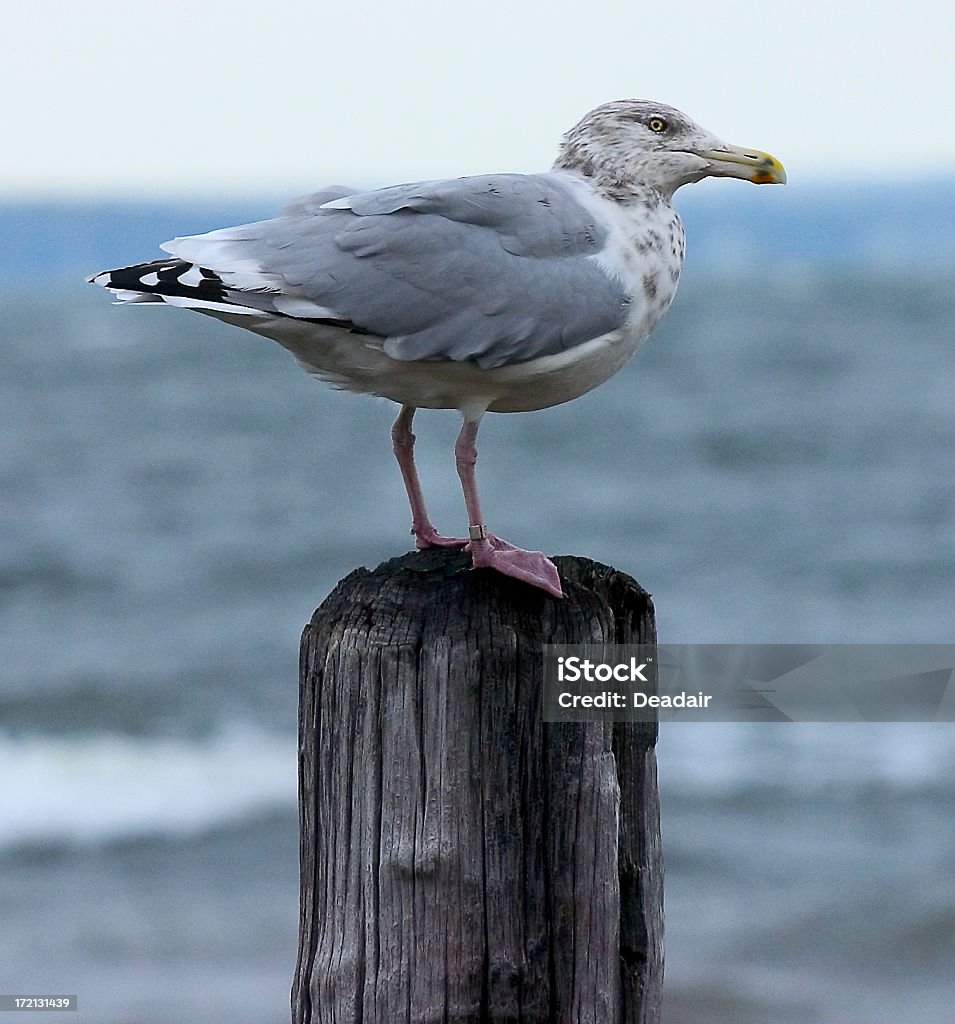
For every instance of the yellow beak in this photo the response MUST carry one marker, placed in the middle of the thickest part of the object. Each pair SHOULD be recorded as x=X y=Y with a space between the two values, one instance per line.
x=748 y=164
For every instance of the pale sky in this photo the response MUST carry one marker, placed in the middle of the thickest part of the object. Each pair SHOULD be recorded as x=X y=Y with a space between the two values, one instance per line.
x=148 y=100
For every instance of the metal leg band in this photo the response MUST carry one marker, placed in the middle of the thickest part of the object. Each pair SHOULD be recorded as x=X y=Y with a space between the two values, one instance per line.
x=477 y=532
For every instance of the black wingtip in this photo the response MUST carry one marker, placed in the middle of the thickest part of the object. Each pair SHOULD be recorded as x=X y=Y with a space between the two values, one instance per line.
x=165 y=276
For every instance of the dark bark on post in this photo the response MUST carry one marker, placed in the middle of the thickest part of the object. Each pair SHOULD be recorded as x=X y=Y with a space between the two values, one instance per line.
x=461 y=860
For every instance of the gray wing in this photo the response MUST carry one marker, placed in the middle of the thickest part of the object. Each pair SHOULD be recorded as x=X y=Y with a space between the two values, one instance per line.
x=496 y=269
x=313 y=202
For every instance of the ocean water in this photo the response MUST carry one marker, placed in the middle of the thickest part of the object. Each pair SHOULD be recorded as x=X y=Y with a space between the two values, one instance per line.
x=776 y=465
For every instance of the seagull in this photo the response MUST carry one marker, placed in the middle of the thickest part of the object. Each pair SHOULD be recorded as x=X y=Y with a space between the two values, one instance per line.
x=489 y=293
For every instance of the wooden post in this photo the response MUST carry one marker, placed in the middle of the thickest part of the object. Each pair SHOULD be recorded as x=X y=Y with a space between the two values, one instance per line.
x=462 y=861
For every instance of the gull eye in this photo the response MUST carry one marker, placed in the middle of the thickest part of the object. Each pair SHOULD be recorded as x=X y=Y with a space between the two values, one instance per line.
x=656 y=124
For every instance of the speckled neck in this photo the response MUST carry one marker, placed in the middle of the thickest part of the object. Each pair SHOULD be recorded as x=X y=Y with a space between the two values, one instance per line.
x=603 y=173
x=608 y=181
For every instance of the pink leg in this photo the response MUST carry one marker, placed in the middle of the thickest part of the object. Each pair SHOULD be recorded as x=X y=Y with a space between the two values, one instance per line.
x=402 y=442
x=488 y=551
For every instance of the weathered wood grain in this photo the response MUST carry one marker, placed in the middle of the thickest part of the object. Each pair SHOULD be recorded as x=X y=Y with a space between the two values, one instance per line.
x=461 y=860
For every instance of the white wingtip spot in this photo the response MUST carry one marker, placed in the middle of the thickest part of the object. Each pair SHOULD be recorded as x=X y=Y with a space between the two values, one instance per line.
x=192 y=277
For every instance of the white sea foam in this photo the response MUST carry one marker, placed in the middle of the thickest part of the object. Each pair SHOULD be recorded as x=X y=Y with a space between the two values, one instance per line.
x=731 y=758
x=103 y=787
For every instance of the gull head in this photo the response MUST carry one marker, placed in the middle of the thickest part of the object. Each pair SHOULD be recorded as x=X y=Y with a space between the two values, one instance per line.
x=629 y=144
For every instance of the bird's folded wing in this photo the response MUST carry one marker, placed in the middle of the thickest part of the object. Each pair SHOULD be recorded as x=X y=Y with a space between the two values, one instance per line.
x=495 y=269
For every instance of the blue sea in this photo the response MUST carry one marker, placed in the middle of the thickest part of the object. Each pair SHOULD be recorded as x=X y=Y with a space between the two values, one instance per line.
x=776 y=465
